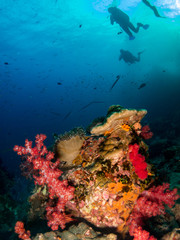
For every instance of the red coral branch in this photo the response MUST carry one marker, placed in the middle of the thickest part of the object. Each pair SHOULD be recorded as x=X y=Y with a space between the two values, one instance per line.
x=20 y=230
x=138 y=161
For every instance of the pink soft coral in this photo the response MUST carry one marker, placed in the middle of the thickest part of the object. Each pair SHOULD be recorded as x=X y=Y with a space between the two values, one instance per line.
x=47 y=173
x=140 y=234
x=146 y=133
x=20 y=230
x=151 y=203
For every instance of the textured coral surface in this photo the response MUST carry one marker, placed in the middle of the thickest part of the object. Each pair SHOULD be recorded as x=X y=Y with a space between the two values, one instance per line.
x=106 y=179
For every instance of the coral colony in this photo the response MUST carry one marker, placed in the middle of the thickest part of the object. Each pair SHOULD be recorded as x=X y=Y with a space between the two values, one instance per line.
x=104 y=177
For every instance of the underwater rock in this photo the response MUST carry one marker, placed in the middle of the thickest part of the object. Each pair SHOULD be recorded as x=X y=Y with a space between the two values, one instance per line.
x=83 y=231
x=38 y=204
x=106 y=185
x=79 y=232
x=176 y=211
x=46 y=236
x=174 y=235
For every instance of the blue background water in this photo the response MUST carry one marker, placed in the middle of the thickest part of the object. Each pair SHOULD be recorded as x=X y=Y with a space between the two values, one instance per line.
x=43 y=43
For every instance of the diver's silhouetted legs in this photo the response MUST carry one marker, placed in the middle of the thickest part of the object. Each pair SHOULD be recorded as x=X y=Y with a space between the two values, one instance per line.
x=131 y=26
x=138 y=58
x=153 y=8
x=129 y=33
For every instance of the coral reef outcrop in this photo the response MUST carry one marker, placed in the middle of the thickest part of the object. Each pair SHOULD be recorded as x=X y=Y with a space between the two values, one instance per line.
x=104 y=178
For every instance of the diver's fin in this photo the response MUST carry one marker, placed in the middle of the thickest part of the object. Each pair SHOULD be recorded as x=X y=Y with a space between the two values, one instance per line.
x=131 y=37
x=139 y=53
x=146 y=26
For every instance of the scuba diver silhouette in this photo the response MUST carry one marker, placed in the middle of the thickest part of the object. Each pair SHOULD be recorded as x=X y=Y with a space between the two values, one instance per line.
x=128 y=57
x=122 y=19
x=147 y=3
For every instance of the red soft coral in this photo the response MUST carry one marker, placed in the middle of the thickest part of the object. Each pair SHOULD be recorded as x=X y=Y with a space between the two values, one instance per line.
x=151 y=203
x=47 y=173
x=138 y=161
x=146 y=133
x=140 y=234
x=20 y=230
x=56 y=216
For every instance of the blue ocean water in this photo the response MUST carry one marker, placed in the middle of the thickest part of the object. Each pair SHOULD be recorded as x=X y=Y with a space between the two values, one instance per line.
x=59 y=60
